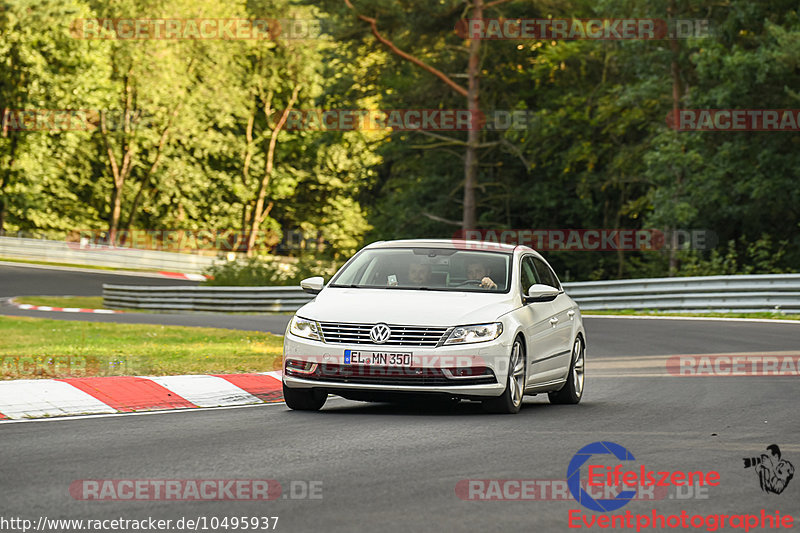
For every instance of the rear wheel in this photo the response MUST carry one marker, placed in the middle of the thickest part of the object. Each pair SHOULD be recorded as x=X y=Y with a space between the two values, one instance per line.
x=304 y=399
x=572 y=391
x=511 y=399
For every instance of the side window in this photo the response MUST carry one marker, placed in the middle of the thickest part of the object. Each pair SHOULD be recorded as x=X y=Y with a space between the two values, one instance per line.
x=546 y=273
x=527 y=274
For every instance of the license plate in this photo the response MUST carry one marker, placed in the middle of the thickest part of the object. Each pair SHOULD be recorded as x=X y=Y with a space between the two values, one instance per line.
x=392 y=359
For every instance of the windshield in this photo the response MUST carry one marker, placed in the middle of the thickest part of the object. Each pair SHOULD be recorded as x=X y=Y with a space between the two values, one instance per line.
x=440 y=269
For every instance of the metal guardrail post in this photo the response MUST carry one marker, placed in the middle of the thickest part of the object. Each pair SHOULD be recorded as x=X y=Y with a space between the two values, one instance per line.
x=107 y=256
x=223 y=299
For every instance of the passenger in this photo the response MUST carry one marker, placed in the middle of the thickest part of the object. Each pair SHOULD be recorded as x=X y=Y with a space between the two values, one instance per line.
x=477 y=270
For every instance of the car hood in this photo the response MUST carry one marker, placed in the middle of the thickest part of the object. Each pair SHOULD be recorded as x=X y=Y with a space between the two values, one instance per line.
x=411 y=307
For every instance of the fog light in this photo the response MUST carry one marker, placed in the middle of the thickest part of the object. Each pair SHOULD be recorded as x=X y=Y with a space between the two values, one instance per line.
x=466 y=372
x=294 y=366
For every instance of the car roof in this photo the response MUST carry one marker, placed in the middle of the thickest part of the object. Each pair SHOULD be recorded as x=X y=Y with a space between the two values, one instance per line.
x=449 y=243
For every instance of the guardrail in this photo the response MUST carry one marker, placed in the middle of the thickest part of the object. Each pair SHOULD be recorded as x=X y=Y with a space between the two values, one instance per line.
x=101 y=255
x=743 y=294
x=737 y=294
x=225 y=299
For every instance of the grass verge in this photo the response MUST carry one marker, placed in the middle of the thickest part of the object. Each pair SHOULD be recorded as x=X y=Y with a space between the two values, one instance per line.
x=649 y=312
x=36 y=347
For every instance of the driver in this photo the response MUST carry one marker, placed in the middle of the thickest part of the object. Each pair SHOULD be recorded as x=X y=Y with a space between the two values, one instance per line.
x=478 y=270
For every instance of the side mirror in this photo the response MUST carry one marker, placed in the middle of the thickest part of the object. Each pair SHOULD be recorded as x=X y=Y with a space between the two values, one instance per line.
x=541 y=293
x=313 y=285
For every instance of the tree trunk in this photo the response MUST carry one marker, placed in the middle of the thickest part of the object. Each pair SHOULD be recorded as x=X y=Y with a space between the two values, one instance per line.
x=248 y=157
x=116 y=208
x=469 y=209
x=675 y=72
x=469 y=215
x=162 y=141
x=134 y=214
x=5 y=176
x=620 y=252
x=119 y=173
x=259 y=212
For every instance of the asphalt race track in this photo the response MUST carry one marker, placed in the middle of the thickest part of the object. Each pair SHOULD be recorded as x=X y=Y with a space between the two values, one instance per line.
x=270 y=323
x=396 y=468
x=30 y=280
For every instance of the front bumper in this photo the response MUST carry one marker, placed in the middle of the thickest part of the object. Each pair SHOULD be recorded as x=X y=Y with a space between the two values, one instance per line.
x=468 y=371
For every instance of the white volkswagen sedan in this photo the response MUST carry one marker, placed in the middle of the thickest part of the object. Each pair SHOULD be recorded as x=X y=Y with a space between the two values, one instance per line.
x=457 y=319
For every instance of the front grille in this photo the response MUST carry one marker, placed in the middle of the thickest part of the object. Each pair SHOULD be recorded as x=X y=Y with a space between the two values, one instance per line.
x=392 y=376
x=421 y=336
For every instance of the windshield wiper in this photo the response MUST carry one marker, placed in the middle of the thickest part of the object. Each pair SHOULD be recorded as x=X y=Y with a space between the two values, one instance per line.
x=413 y=288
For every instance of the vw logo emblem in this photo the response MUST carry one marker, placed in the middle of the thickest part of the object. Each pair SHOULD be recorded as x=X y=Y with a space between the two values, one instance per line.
x=380 y=333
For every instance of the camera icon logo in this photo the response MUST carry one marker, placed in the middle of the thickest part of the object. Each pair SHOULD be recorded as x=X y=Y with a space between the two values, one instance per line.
x=774 y=473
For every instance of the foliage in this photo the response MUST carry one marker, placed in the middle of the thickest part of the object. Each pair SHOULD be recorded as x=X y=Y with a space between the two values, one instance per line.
x=759 y=257
x=597 y=153
x=266 y=271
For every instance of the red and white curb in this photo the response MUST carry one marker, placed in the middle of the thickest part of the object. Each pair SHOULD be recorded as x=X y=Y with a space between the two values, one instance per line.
x=180 y=275
x=44 y=398
x=29 y=307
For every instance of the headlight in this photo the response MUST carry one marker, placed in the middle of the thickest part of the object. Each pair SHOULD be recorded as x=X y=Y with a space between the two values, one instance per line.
x=479 y=333
x=305 y=328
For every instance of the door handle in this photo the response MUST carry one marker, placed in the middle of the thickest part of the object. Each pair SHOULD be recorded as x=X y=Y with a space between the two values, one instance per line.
x=571 y=314
x=553 y=321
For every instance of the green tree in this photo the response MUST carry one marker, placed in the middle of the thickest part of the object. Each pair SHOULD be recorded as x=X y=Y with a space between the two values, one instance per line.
x=45 y=178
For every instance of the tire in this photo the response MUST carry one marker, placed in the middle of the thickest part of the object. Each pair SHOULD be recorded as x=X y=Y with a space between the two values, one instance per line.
x=304 y=399
x=511 y=399
x=572 y=391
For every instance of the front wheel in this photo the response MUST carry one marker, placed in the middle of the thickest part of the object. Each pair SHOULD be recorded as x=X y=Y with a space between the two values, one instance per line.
x=511 y=399
x=304 y=399
x=572 y=391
